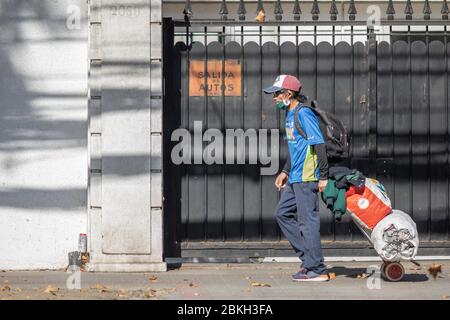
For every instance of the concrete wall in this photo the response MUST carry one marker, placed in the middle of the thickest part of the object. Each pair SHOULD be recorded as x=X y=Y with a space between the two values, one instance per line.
x=125 y=135
x=43 y=131
x=69 y=164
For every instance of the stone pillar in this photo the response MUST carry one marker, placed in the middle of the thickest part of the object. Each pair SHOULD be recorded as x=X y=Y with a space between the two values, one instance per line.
x=125 y=130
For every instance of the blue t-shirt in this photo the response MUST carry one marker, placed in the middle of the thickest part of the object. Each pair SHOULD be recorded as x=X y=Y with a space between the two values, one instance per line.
x=304 y=165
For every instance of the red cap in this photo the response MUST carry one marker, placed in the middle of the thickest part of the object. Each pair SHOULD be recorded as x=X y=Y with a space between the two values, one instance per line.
x=284 y=81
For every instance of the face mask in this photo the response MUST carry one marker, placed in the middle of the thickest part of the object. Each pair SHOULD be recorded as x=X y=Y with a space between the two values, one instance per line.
x=283 y=104
x=287 y=102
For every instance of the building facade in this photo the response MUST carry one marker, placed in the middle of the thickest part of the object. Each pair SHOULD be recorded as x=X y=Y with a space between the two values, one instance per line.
x=91 y=93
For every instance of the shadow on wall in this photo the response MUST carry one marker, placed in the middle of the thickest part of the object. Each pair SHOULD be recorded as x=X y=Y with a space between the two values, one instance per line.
x=38 y=124
x=43 y=108
x=22 y=121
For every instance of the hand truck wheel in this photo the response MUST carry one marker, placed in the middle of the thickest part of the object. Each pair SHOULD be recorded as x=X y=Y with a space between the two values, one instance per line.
x=383 y=269
x=392 y=271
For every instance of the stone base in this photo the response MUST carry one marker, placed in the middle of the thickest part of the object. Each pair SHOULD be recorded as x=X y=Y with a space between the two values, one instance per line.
x=128 y=267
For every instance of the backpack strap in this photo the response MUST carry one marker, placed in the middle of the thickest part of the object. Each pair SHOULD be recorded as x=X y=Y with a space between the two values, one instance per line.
x=319 y=112
x=324 y=117
x=297 y=123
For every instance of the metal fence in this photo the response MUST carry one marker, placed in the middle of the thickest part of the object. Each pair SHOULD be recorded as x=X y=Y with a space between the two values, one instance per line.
x=300 y=9
x=391 y=94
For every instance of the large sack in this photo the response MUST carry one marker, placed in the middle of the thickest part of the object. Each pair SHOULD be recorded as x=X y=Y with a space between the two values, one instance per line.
x=395 y=237
x=368 y=204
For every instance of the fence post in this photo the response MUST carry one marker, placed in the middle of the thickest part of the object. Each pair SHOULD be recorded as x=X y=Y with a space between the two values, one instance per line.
x=372 y=100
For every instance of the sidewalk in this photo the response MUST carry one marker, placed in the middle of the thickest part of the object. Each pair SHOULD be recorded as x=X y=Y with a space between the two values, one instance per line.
x=269 y=281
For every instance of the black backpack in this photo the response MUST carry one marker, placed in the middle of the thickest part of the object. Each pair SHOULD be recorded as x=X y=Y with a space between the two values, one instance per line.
x=333 y=130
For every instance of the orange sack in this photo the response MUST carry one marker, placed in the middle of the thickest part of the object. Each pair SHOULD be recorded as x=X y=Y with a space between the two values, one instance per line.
x=369 y=204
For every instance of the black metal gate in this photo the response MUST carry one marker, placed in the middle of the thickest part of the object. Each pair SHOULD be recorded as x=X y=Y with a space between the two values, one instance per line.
x=391 y=92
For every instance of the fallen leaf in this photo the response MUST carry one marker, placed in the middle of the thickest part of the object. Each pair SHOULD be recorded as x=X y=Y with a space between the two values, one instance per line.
x=51 y=290
x=149 y=294
x=261 y=17
x=445 y=297
x=5 y=288
x=193 y=285
x=434 y=269
x=160 y=292
x=260 y=284
x=363 y=275
x=153 y=278
x=85 y=258
x=331 y=276
x=99 y=287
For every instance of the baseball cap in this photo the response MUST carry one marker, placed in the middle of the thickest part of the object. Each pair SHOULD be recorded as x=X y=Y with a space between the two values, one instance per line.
x=284 y=81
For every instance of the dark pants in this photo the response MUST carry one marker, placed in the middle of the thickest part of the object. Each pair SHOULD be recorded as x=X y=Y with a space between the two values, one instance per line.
x=297 y=214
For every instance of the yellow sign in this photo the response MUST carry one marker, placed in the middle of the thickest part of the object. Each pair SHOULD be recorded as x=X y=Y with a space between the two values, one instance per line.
x=210 y=80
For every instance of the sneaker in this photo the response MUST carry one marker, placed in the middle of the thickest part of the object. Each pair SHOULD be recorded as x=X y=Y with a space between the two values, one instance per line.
x=301 y=271
x=310 y=276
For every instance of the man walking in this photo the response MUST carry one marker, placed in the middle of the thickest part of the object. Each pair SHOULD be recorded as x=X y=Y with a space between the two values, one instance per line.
x=304 y=175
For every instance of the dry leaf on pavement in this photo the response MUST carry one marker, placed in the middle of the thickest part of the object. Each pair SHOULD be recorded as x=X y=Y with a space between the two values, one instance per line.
x=51 y=290
x=435 y=269
x=153 y=278
x=260 y=284
x=445 y=297
x=5 y=288
x=85 y=258
x=101 y=288
x=149 y=294
x=332 y=276
x=158 y=292
x=193 y=285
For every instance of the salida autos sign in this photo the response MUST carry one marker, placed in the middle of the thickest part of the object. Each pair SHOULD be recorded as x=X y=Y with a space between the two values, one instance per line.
x=210 y=80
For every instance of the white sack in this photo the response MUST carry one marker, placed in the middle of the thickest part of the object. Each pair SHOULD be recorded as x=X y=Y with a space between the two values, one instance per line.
x=395 y=237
